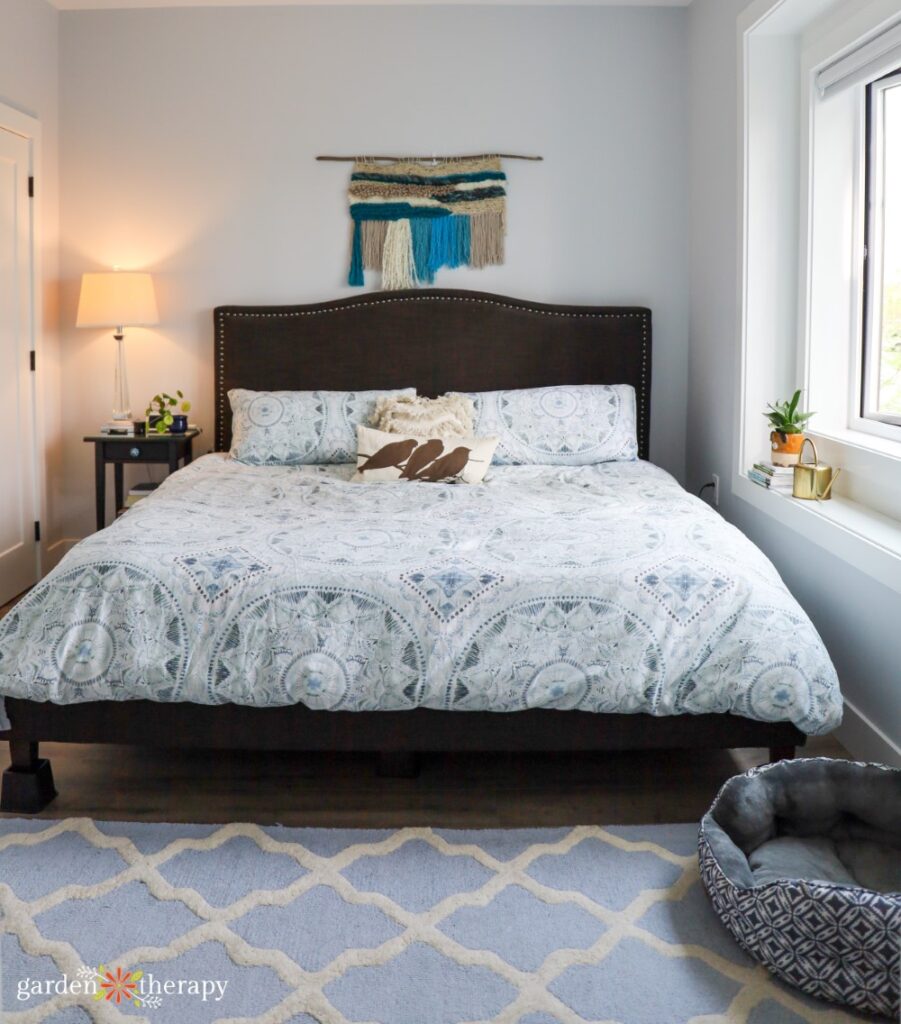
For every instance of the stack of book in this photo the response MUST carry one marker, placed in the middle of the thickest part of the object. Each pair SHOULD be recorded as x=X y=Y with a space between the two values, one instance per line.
x=138 y=492
x=126 y=427
x=776 y=478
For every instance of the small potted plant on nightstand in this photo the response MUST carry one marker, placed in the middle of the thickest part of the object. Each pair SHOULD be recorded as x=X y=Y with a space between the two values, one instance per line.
x=787 y=435
x=161 y=416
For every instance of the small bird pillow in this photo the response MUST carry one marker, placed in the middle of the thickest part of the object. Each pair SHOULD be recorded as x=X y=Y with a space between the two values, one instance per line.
x=382 y=456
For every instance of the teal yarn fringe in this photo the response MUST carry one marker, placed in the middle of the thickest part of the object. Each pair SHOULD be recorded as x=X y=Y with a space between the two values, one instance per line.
x=440 y=239
x=438 y=249
x=450 y=243
x=355 y=275
x=416 y=215
x=422 y=244
x=464 y=238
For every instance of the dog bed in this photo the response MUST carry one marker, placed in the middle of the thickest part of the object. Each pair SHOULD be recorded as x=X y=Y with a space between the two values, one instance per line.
x=802 y=862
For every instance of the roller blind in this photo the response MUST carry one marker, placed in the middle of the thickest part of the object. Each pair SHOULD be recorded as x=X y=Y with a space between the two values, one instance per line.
x=875 y=57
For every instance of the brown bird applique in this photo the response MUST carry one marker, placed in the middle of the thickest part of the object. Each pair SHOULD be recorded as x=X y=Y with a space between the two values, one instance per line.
x=448 y=467
x=421 y=457
x=394 y=454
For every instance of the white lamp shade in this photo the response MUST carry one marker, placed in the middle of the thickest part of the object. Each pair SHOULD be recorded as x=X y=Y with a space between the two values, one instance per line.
x=116 y=299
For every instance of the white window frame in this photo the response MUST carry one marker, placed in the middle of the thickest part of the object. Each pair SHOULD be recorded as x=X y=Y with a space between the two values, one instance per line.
x=831 y=357
x=865 y=416
x=831 y=237
x=782 y=46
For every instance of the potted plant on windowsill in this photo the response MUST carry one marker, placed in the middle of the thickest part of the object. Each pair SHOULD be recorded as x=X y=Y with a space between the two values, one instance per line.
x=787 y=435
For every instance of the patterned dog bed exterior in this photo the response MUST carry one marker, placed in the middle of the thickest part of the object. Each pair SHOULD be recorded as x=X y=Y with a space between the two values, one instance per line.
x=834 y=942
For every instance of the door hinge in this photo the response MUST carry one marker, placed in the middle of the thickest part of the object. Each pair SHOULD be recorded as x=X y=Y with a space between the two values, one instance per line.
x=37 y=530
x=31 y=186
x=31 y=360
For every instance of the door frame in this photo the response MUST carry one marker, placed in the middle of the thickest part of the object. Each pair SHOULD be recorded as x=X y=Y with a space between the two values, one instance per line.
x=29 y=128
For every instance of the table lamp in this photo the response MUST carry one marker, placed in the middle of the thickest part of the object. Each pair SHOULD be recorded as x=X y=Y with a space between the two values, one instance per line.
x=117 y=299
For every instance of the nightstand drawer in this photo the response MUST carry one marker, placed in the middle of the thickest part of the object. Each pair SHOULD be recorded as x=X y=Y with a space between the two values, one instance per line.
x=139 y=450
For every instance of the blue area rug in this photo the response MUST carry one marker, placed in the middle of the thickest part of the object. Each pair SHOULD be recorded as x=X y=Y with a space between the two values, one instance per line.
x=419 y=926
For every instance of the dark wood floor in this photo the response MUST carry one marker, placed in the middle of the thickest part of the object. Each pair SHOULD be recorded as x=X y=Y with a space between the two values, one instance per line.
x=455 y=791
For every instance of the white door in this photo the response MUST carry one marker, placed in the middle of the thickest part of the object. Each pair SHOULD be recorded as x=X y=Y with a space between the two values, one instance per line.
x=18 y=546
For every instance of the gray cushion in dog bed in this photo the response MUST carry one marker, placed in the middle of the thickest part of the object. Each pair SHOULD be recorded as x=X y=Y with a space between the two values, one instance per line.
x=802 y=861
x=858 y=862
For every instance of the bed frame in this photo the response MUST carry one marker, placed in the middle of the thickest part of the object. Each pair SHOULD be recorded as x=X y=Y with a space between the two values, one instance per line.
x=438 y=340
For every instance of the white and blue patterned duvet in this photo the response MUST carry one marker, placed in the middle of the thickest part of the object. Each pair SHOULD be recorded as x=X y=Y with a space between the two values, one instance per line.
x=603 y=588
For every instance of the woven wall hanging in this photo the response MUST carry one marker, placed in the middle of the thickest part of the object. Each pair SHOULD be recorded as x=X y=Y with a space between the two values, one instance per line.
x=411 y=218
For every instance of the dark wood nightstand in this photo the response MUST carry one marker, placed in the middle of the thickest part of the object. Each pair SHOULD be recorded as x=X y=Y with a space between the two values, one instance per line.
x=168 y=449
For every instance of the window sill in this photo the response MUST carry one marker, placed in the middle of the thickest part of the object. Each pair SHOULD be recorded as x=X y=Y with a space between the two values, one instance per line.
x=866 y=539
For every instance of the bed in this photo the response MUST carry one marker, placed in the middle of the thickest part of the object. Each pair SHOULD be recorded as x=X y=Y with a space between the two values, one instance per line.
x=287 y=608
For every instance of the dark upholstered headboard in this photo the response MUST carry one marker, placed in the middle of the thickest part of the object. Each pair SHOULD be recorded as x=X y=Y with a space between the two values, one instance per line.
x=435 y=340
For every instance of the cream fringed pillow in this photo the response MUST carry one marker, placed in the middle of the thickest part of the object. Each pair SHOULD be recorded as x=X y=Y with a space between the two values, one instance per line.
x=450 y=415
x=385 y=457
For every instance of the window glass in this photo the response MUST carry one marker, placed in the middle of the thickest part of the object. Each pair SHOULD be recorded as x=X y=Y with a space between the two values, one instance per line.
x=882 y=344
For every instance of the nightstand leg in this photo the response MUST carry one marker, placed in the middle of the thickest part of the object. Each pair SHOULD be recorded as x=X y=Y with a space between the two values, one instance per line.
x=173 y=457
x=100 y=485
x=120 y=488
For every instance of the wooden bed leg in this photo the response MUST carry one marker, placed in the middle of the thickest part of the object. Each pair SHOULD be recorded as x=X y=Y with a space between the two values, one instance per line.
x=781 y=754
x=28 y=782
x=398 y=764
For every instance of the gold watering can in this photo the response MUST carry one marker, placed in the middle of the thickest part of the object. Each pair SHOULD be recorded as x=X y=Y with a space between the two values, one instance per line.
x=813 y=480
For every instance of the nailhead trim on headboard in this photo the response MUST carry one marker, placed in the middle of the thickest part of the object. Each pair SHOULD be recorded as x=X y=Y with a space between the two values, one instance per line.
x=222 y=314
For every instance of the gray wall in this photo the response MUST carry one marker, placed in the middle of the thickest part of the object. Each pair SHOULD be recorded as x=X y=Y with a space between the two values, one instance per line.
x=857 y=617
x=29 y=81
x=188 y=142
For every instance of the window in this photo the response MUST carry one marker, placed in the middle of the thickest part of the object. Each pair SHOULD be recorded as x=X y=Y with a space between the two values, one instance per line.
x=881 y=371
x=804 y=170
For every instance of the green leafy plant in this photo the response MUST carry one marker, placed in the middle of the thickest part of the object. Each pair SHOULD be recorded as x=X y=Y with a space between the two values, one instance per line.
x=786 y=418
x=164 y=406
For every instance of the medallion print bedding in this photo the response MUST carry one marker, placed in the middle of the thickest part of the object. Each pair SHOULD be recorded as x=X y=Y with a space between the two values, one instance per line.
x=605 y=588
x=293 y=428
x=572 y=425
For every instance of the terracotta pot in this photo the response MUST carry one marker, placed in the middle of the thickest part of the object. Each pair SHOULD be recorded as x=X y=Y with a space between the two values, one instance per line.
x=785 y=452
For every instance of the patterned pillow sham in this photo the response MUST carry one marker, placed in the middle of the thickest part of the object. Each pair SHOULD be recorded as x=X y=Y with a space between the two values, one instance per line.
x=383 y=457
x=574 y=425
x=294 y=428
x=448 y=416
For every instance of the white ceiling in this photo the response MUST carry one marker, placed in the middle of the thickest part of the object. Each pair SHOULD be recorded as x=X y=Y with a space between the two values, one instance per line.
x=108 y=5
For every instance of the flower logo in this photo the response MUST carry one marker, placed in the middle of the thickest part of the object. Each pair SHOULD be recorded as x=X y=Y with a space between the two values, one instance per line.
x=116 y=985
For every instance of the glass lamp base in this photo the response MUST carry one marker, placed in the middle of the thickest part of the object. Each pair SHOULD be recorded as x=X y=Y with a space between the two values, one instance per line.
x=121 y=402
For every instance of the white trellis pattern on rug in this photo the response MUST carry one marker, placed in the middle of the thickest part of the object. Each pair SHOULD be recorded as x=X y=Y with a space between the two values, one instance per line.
x=307 y=996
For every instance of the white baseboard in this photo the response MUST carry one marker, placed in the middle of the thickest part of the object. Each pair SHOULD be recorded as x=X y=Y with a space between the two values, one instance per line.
x=54 y=553
x=866 y=741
